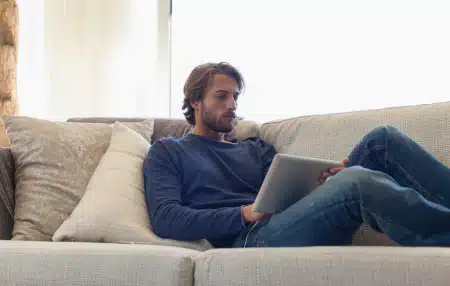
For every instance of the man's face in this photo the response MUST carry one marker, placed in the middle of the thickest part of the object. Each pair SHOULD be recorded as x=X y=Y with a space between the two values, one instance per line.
x=218 y=107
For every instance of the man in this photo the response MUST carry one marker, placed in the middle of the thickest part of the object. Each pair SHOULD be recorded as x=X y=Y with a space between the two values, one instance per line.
x=202 y=186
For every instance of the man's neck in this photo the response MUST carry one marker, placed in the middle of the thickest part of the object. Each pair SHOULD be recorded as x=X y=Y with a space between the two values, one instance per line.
x=208 y=133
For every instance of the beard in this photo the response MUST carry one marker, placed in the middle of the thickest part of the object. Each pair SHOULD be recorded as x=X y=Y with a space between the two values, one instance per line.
x=216 y=123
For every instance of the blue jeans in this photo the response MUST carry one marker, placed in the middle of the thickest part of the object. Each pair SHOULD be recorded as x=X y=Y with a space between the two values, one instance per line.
x=392 y=184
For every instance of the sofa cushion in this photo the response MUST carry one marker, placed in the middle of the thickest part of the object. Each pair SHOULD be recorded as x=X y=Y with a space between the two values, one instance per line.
x=54 y=162
x=113 y=208
x=333 y=136
x=163 y=127
x=67 y=263
x=324 y=266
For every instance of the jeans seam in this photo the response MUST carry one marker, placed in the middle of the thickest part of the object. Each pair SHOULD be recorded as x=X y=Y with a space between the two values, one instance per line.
x=365 y=154
x=380 y=217
x=315 y=214
x=247 y=236
x=363 y=209
x=416 y=184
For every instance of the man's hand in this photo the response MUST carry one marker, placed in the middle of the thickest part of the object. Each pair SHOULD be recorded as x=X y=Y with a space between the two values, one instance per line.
x=333 y=171
x=250 y=216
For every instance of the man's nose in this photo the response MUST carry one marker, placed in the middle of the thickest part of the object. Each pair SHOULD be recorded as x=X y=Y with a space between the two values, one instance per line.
x=232 y=104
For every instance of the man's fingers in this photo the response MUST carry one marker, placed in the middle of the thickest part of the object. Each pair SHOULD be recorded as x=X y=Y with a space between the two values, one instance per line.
x=324 y=175
x=266 y=216
x=321 y=180
x=335 y=170
x=346 y=161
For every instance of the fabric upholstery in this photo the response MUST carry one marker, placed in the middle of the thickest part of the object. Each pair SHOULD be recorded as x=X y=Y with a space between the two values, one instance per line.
x=333 y=136
x=165 y=127
x=6 y=193
x=324 y=266
x=54 y=162
x=67 y=263
x=113 y=208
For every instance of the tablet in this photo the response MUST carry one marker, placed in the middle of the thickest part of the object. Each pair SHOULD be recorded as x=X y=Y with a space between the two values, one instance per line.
x=289 y=179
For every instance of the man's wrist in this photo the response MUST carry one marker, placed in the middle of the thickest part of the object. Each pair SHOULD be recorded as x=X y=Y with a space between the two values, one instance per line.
x=244 y=221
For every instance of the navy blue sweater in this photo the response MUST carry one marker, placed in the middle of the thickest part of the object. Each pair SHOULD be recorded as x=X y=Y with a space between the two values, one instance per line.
x=195 y=187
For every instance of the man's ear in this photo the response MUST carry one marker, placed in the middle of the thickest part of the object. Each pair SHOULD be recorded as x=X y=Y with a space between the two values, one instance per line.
x=194 y=104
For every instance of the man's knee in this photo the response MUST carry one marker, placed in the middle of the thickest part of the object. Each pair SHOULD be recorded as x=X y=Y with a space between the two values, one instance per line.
x=354 y=174
x=384 y=131
x=367 y=183
x=351 y=178
x=359 y=178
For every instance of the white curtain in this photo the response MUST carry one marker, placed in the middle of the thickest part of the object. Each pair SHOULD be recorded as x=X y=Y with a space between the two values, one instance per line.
x=88 y=58
x=99 y=57
x=31 y=89
x=312 y=57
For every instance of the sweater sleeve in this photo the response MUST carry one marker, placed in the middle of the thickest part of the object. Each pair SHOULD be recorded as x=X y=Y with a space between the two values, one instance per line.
x=267 y=153
x=169 y=217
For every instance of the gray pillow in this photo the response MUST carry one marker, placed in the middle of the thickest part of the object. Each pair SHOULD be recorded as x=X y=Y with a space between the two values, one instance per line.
x=54 y=163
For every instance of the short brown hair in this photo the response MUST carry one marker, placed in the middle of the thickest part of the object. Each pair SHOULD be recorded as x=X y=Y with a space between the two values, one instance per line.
x=198 y=81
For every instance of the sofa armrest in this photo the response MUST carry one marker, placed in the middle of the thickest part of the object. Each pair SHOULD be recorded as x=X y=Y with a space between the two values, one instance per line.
x=6 y=193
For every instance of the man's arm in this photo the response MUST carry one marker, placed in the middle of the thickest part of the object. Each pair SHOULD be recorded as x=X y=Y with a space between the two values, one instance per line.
x=267 y=152
x=169 y=218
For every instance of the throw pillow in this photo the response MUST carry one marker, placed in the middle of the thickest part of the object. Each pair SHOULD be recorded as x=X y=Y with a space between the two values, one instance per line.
x=113 y=208
x=54 y=162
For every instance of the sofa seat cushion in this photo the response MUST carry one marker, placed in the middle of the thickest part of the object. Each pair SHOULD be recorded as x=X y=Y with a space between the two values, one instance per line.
x=67 y=263
x=337 y=266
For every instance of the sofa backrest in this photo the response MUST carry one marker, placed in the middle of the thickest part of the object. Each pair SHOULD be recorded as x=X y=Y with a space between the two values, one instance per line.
x=333 y=136
x=165 y=127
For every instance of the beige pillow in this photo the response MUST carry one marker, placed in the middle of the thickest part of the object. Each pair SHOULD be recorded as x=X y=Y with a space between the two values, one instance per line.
x=113 y=208
x=54 y=163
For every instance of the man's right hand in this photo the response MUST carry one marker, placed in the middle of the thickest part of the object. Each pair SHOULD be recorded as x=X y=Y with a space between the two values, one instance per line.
x=250 y=216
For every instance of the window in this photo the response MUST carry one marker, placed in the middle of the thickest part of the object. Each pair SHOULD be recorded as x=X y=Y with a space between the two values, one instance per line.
x=88 y=58
x=130 y=58
x=31 y=87
x=313 y=57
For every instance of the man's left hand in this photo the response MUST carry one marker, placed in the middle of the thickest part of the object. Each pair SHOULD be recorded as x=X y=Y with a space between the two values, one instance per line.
x=331 y=172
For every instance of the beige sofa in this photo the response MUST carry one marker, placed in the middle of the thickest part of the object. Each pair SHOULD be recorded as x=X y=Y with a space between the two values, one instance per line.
x=372 y=260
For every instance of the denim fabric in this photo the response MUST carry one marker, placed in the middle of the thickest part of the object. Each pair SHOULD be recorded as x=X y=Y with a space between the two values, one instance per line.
x=392 y=184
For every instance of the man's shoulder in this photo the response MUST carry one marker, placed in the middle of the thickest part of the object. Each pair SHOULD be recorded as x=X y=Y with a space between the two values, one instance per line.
x=168 y=143
x=166 y=150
